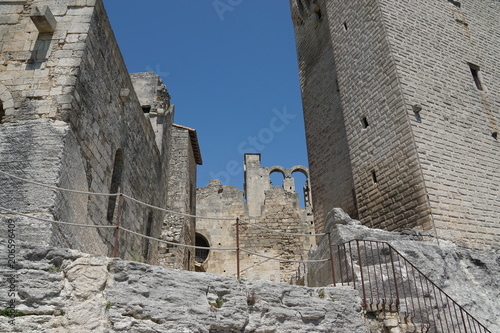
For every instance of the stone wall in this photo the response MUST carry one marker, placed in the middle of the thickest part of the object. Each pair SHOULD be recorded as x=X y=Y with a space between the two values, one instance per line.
x=216 y=201
x=184 y=157
x=454 y=130
x=72 y=119
x=272 y=207
x=328 y=152
x=353 y=61
x=392 y=107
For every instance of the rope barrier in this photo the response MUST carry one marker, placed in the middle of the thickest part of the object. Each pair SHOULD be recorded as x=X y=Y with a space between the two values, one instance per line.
x=280 y=259
x=280 y=232
x=179 y=244
x=158 y=208
x=59 y=188
x=178 y=213
x=60 y=222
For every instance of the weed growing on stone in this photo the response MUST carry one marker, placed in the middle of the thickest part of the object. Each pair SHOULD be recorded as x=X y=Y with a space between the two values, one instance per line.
x=59 y=313
x=10 y=313
x=55 y=269
x=108 y=305
x=321 y=293
x=218 y=303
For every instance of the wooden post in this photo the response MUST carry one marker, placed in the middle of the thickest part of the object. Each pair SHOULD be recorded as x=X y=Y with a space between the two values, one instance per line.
x=238 y=247
x=331 y=258
x=117 y=230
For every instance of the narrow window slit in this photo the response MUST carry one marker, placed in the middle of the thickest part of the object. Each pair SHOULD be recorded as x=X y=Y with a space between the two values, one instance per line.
x=2 y=113
x=116 y=182
x=319 y=15
x=374 y=177
x=149 y=227
x=474 y=69
x=365 y=123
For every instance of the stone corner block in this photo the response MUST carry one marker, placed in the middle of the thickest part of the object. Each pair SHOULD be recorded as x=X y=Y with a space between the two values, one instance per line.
x=43 y=19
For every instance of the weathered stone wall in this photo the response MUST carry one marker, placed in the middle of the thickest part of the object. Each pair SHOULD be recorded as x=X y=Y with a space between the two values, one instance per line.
x=389 y=93
x=349 y=45
x=103 y=76
x=328 y=152
x=182 y=199
x=61 y=290
x=73 y=120
x=215 y=201
x=280 y=212
x=155 y=102
x=275 y=208
x=453 y=132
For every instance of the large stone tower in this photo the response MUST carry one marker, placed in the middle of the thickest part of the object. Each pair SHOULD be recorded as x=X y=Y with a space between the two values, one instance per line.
x=401 y=105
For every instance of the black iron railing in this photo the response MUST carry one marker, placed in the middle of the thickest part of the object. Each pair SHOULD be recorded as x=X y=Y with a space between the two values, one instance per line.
x=389 y=282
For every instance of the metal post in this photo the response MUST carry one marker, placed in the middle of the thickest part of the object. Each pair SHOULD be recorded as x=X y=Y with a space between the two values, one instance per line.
x=395 y=278
x=331 y=257
x=463 y=319
x=117 y=230
x=362 y=276
x=238 y=246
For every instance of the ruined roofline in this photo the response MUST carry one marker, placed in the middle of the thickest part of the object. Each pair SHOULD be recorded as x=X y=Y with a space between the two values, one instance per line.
x=194 y=142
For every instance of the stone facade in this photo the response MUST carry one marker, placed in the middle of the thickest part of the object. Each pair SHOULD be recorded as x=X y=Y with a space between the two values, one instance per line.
x=73 y=117
x=184 y=157
x=276 y=208
x=401 y=106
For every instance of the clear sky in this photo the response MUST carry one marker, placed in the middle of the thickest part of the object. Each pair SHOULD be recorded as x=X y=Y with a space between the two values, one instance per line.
x=231 y=69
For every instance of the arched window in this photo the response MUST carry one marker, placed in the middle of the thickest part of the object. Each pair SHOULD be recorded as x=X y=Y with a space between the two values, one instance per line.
x=149 y=227
x=276 y=177
x=116 y=182
x=201 y=254
x=300 y=185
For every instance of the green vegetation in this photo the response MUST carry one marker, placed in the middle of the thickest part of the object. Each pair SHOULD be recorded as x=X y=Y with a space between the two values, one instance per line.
x=218 y=303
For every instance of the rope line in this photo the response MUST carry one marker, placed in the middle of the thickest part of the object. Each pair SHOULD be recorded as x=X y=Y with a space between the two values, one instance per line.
x=160 y=240
x=147 y=205
x=179 y=244
x=279 y=259
x=60 y=222
x=59 y=188
x=178 y=213
x=279 y=232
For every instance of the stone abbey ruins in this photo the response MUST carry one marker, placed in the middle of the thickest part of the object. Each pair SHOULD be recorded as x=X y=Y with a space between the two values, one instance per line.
x=103 y=228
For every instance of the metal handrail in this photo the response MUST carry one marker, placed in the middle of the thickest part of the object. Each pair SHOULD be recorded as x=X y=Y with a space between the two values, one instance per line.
x=391 y=283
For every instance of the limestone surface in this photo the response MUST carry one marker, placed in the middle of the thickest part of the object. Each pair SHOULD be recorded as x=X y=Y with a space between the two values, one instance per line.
x=61 y=290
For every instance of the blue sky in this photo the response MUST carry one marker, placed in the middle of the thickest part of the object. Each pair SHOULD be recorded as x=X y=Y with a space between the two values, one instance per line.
x=231 y=69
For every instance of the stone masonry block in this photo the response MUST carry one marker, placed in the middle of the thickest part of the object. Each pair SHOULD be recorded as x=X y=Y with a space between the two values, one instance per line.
x=43 y=19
